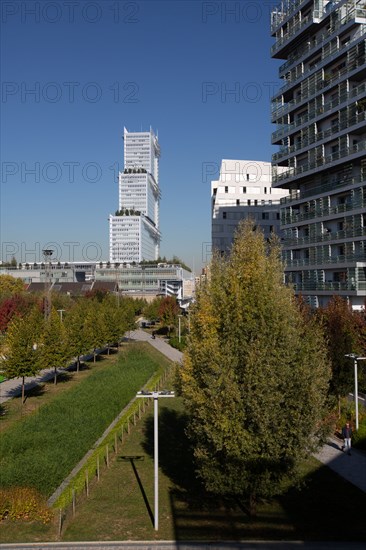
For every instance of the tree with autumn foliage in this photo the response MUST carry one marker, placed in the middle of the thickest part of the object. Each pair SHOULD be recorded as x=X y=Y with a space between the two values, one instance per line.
x=345 y=332
x=168 y=312
x=17 y=304
x=255 y=375
x=10 y=285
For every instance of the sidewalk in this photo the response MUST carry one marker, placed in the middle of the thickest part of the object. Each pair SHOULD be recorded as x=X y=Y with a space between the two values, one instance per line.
x=158 y=343
x=352 y=468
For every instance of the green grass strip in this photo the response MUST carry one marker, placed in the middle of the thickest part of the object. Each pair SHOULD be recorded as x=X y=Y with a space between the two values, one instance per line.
x=41 y=450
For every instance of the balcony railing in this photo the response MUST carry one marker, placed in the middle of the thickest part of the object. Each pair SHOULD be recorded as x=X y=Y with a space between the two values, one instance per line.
x=319 y=162
x=315 y=213
x=279 y=15
x=319 y=41
x=340 y=259
x=325 y=237
x=317 y=15
x=321 y=189
x=286 y=129
x=328 y=285
x=293 y=30
x=345 y=124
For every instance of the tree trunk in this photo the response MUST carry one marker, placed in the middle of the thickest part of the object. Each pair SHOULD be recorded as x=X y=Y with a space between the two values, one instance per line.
x=78 y=364
x=94 y=354
x=339 y=406
x=55 y=376
x=23 y=389
x=252 y=506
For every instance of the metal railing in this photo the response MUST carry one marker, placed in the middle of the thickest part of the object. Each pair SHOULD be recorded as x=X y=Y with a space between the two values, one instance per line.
x=324 y=237
x=345 y=124
x=319 y=260
x=319 y=162
x=314 y=213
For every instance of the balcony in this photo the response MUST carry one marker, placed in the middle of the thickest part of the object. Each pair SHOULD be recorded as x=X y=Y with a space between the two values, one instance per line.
x=331 y=286
x=316 y=213
x=294 y=29
x=321 y=162
x=281 y=109
x=321 y=189
x=326 y=237
x=353 y=14
x=279 y=16
x=327 y=260
x=345 y=124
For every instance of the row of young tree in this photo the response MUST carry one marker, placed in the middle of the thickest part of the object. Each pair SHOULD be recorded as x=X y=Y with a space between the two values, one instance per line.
x=33 y=341
x=261 y=372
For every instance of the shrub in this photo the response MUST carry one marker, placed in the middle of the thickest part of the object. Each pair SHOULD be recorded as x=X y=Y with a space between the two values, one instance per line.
x=23 y=503
x=174 y=342
x=359 y=437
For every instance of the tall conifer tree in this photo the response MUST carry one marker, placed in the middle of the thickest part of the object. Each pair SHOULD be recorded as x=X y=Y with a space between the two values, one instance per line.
x=255 y=375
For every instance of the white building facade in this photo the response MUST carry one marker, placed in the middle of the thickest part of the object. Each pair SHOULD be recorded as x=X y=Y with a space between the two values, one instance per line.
x=134 y=233
x=242 y=191
x=320 y=112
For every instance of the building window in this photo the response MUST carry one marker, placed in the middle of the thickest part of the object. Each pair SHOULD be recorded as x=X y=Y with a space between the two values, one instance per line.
x=224 y=215
x=226 y=189
x=237 y=202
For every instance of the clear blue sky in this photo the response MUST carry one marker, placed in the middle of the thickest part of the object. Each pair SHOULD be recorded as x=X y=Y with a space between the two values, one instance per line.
x=97 y=66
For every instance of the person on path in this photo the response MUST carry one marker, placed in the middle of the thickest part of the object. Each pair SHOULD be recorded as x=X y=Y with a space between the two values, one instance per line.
x=347 y=435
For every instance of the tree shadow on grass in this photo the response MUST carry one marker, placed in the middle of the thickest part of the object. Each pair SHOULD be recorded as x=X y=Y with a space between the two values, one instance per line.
x=326 y=507
x=175 y=454
x=197 y=514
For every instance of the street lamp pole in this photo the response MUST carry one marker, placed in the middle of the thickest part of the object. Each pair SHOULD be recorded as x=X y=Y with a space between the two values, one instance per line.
x=61 y=312
x=355 y=360
x=179 y=318
x=155 y=395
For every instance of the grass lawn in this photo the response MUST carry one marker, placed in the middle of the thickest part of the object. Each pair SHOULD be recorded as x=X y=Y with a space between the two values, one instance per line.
x=13 y=410
x=41 y=448
x=120 y=507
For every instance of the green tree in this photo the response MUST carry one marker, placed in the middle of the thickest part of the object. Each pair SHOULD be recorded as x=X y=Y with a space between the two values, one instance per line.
x=54 y=351
x=22 y=346
x=94 y=327
x=77 y=339
x=255 y=375
x=151 y=309
x=168 y=311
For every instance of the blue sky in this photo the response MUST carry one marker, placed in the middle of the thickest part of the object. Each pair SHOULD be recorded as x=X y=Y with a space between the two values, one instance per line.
x=97 y=66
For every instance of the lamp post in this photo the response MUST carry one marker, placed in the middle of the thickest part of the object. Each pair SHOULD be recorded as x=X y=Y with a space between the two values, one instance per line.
x=47 y=253
x=179 y=318
x=61 y=312
x=355 y=358
x=155 y=395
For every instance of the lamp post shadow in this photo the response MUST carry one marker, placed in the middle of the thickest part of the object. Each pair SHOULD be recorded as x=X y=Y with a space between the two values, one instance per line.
x=132 y=460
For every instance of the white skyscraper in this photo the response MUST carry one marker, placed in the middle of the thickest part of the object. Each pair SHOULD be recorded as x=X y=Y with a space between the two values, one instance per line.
x=134 y=229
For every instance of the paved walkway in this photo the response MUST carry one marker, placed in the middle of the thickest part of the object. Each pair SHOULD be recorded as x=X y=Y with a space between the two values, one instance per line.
x=352 y=468
x=177 y=545
x=158 y=343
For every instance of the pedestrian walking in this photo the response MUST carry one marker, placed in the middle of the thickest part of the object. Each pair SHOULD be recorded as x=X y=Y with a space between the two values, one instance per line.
x=347 y=436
